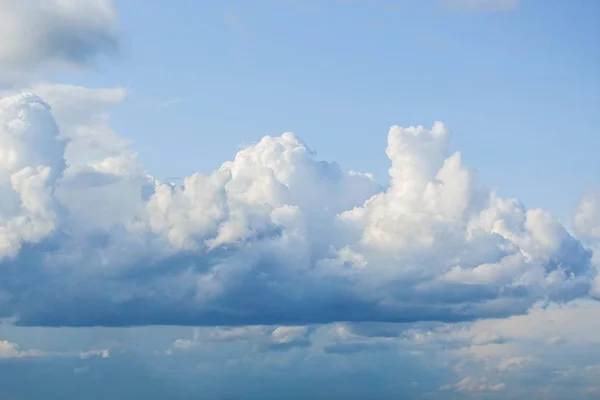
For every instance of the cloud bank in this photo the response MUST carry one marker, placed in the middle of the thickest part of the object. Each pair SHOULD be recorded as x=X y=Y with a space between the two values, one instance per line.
x=274 y=236
x=41 y=34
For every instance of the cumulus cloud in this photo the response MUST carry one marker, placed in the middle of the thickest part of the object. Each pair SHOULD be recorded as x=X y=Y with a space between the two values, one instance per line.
x=54 y=33
x=273 y=237
x=83 y=118
x=31 y=161
x=262 y=338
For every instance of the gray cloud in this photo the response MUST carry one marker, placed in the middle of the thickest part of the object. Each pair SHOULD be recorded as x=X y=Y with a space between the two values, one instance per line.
x=39 y=34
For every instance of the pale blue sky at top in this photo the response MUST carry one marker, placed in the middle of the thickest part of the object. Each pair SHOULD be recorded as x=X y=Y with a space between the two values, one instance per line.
x=520 y=84
x=163 y=235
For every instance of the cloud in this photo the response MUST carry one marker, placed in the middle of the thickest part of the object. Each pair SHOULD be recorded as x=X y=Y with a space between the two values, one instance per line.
x=513 y=363
x=273 y=237
x=487 y=337
x=31 y=161
x=586 y=218
x=480 y=5
x=82 y=114
x=357 y=347
x=171 y=102
x=233 y=20
x=586 y=222
x=345 y=339
x=39 y=34
x=527 y=359
x=470 y=384
x=338 y=357
x=12 y=350
x=262 y=338
x=266 y=338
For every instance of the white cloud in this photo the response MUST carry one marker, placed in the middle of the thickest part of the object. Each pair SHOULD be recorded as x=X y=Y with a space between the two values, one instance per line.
x=31 y=160
x=513 y=363
x=37 y=34
x=283 y=335
x=11 y=350
x=262 y=338
x=273 y=237
x=82 y=115
x=470 y=384
x=104 y=353
x=555 y=340
x=586 y=221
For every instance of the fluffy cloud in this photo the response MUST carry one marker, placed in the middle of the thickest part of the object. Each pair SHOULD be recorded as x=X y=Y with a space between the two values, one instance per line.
x=586 y=221
x=54 y=33
x=512 y=363
x=82 y=115
x=548 y=350
x=11 y=350
x=493 y=358
x=273 y=237
x=31 y=160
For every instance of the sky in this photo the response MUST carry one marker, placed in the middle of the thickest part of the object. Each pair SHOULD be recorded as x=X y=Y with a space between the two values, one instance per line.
x=308 y=199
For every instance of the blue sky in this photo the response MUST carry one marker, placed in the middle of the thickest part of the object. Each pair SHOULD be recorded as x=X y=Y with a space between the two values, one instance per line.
x=430 y=229
x=511 y=85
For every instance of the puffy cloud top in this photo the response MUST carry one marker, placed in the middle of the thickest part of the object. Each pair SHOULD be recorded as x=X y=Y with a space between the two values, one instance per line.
x=31 y=160
x=273 y=237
